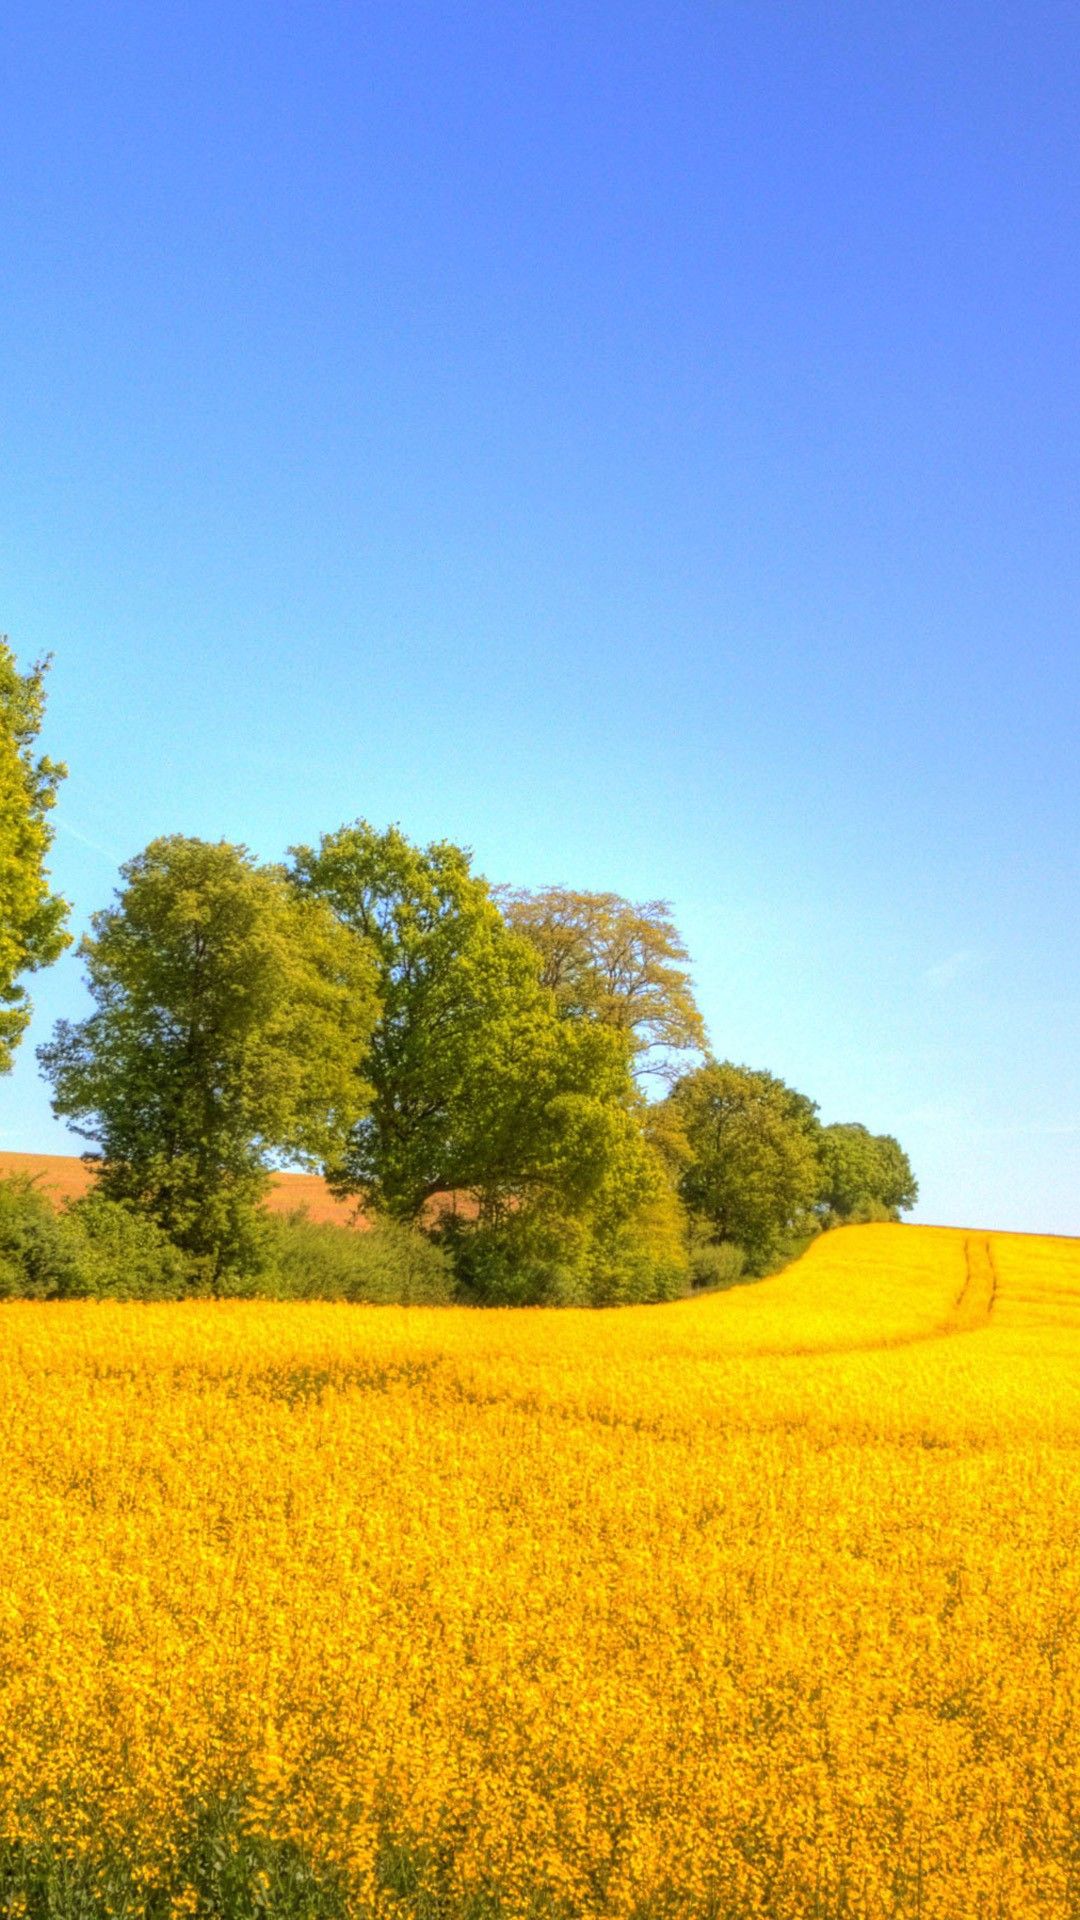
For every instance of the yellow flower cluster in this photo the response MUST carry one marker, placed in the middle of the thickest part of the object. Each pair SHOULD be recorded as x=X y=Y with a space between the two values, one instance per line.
x=762 y=1604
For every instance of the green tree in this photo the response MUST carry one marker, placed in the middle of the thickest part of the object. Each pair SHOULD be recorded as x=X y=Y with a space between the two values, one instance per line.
x=32 y=919
x=750 y=1162
x=610 y=960
x=898 y=1188
x=863 y=1174
x=526 y=1126
x=231 y=1018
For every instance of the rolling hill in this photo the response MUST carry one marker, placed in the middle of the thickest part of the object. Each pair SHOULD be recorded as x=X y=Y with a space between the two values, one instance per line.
x=66 y=1177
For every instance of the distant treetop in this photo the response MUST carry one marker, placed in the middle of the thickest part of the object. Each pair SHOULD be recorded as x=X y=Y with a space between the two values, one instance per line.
x=610 y=960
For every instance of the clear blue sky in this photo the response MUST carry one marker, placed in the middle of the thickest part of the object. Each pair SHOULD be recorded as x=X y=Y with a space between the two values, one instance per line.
x=639 y=441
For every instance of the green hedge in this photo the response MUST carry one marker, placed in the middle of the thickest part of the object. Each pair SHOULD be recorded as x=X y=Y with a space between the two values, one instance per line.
x=100 y=1249
x=715 y=1264
x=94 y=1249
x=97 y=1249
x=41 y=1252
x=382 y=1264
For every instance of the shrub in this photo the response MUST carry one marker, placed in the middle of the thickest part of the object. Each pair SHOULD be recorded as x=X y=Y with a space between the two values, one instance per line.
x=41 y=1252
x=93 y=1249
x=525 y=1259
x=124 y=1255
x=863 y=1213
x=100 y=1249
x=644 y=1259
x=715 y=1264
x=382 y=1264
x=872 y=1211
x=536 y=1257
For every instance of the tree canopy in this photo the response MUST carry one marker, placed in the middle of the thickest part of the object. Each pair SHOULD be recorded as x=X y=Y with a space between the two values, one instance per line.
x=480 y=1090
x=863 y=1173
x=231 y=1015
x=32 y=918
x=750 y=1161
x=621 y=964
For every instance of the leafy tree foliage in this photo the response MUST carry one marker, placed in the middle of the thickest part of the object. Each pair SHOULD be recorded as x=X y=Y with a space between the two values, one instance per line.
x=481 y=1091
x=643 y=1255
x=32 y=930
x=626 y=1244
x=231 y=1016
x=863 y=1174
x=750 y=1162
x=606 y=959
x=898 y=1189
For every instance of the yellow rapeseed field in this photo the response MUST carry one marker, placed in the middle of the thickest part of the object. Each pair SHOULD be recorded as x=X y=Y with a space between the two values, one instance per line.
x=764 y=1604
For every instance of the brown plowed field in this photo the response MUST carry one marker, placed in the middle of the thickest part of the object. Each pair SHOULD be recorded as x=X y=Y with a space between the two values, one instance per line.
x=65 y=1177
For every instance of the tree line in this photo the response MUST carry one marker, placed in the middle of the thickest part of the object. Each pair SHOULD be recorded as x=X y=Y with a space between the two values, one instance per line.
x=521 y=1078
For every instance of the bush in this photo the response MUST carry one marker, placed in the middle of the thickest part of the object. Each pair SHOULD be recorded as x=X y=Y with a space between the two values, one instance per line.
x=383 y=1264
x=643 y=1260
x=523 y=1260
x=98 y=1249
x=715 y=1264
x=125 y=1255
x=871 y=1211
x=41 y=1252
x=536 y=1257
x=94 y=1249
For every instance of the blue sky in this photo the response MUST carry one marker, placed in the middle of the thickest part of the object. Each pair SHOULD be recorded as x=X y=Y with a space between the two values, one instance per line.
x=641 y=442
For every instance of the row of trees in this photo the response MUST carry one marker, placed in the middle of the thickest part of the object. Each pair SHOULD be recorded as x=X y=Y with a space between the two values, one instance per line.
x=522 y=1076
x=471 y=1066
